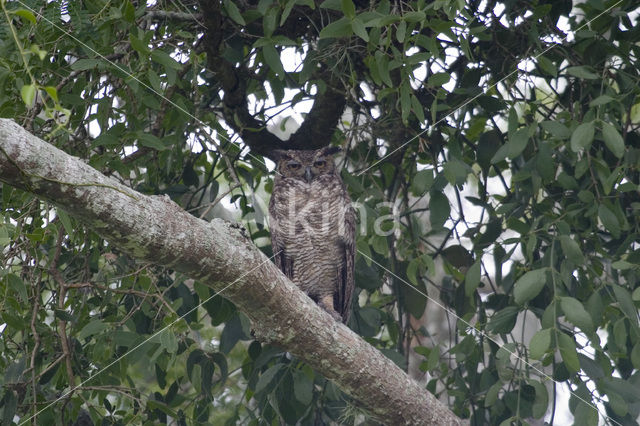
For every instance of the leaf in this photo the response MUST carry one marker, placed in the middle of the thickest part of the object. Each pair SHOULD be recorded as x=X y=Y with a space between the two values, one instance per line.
x=272 y=58
x=233 y=12
x=269 y=22
x=125 y=338
x=635 y=356
x=164 y=59
x=64 y=315
x=571 y=249
x=417 y=108
x=583 y=72
x=568 y=352
x=267 y=377
x=503 y=321
x=438 y=79
x=590 y=367
x=545 y=163
x=518 y=142
x=405 y=101
x=4 y=237
x=529 y=285
x=636 y=295
x=194 y=359
x=349 y=9
x=582 y=137
x=625 y=388
x=359 y=29
x=10 y=405
x=500 y=154
x=169 y=341
x=576 y=314
x=26 y=14
x=138 y=45
x=609 y=220
x=617 y=403
x=601 y=100
x=623 y=296
x=17 y=285
x=161 y=406
x=472 y=278
x=40 y=52
x=302 y=387
x=439 y=209
x=415 y=16
x=612 y=139
x=414 y=300
x=28 y=93
x=13 y=321
x=541 y=403
x=66 y=221
x=557 y=129
x=492 y=394
x=401 y=31
x=92 y=327
x=547 y=66
x=52 y=92
x=412 y=271
x=231 y=334
x=488 y=144
x=337 y=29
x=85 y=64
x=221 y=361
x=332 y=4
x=151 y=141
x=540 y=343
x=289 y=7
x=382 y=63
x=585 y=414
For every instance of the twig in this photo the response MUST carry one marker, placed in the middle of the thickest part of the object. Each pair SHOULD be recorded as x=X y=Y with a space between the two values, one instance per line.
x=123 y=291
x=62 y=324
x=217 y=200
x=215 y=143
x=118 y=389
x=165 y=14
x=36 y=346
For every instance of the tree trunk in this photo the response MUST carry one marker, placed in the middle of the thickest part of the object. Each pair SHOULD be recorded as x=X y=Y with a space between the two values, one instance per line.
x=156 y=229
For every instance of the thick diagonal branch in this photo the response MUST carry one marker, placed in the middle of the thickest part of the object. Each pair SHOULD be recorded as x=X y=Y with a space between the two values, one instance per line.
x=156 y=229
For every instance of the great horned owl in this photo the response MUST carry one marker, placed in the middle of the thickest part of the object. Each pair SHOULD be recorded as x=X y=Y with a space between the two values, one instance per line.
x=312 y=227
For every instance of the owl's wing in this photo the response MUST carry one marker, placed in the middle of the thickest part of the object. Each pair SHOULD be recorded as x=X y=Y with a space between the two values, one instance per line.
x=282 y=261
x=348 y=281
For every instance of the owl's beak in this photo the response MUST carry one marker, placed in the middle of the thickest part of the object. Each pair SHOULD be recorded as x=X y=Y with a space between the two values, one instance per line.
x=308 y=175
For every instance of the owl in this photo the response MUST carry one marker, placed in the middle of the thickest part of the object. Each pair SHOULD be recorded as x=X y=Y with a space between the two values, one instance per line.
x=312 y=227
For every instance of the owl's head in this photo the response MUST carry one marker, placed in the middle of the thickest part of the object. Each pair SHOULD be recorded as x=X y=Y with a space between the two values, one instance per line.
x=305 y=164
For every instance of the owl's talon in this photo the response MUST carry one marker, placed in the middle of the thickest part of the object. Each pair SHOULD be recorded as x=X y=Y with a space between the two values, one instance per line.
x=329 y=309
x=239 y=227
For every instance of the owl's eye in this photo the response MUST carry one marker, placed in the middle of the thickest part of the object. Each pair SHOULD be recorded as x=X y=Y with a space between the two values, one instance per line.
x=320 y=163
x=293 y=166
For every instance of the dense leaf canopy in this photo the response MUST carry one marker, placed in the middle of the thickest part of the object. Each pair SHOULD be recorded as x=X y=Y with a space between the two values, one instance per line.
x=491 y=149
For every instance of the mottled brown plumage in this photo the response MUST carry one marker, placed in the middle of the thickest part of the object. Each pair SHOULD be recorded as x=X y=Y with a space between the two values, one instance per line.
x=313 y=228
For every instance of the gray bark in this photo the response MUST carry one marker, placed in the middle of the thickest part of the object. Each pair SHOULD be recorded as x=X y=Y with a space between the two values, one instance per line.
x=156 y=229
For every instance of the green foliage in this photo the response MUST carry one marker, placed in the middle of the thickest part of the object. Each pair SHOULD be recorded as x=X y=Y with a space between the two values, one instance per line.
x=494 y=167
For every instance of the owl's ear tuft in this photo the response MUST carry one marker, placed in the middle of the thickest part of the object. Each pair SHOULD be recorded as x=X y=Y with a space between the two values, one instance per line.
x=330 y=150
x=279 y=154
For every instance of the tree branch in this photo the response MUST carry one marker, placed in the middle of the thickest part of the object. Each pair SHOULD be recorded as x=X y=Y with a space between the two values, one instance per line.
x=317 y=128
x=155 y=229
x=233 y=82
x=315 y=132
